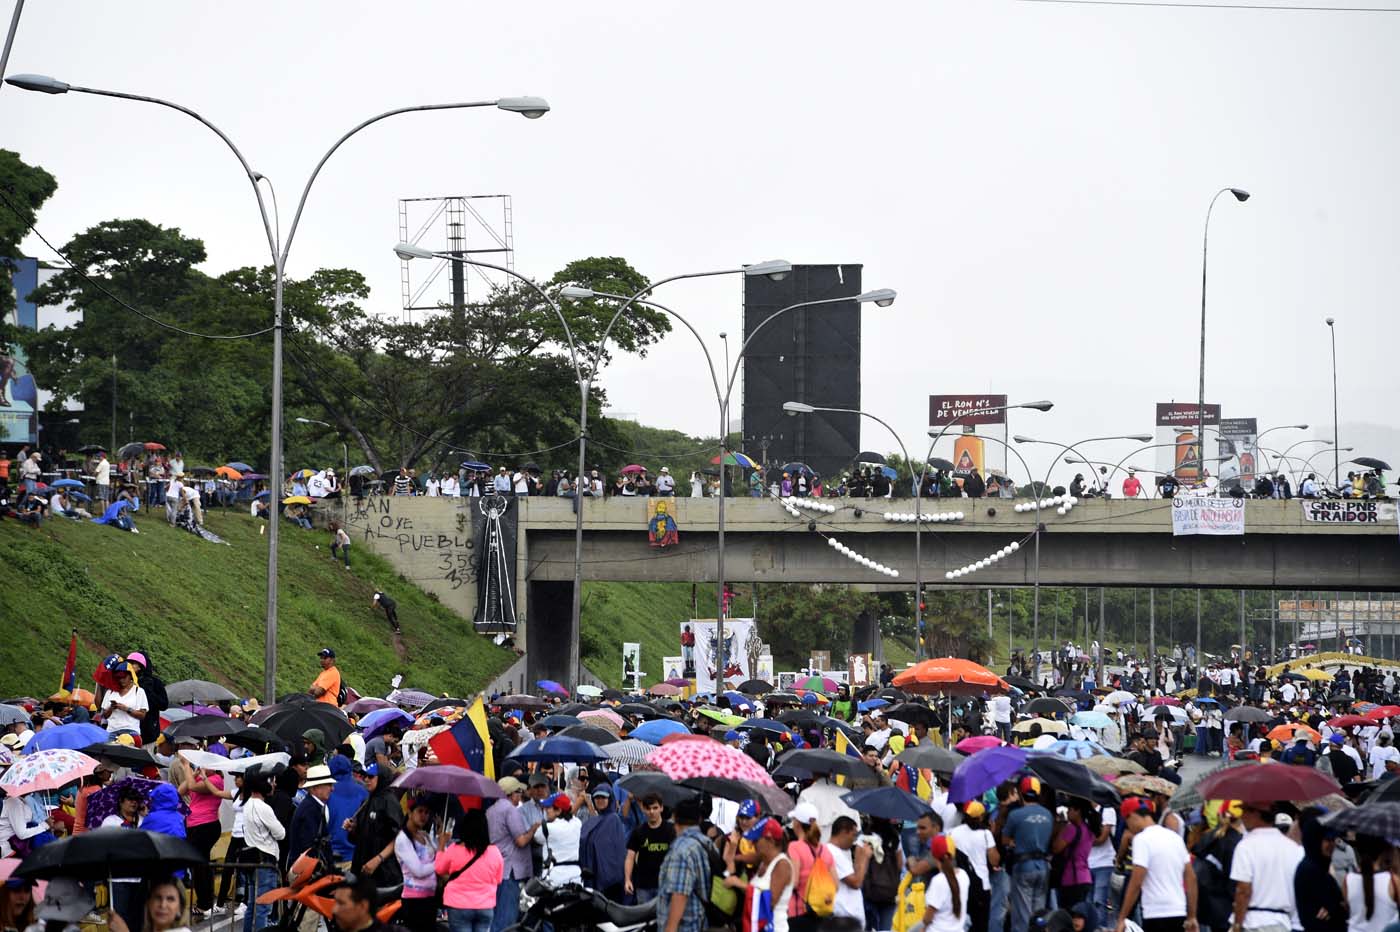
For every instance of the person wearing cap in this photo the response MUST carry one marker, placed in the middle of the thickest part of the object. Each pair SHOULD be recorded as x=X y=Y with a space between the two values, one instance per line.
x=1262 y=869
x=511 y=833
x=683 y=882
x=740 y=854
x=975 y=840
x=16 y=903
x=1162 y=876
x=665 y=482
x=603 y=844
x=310 y=821
x=125 y=707
x=1026 y=838
x=390 y=607
x=326 y=687
x=805 y=850
x=559 y=840
x=646 y=849
x=373 y=829
x=538 y=792
x=948 y=892
x=156 y=699
x=773 y=875
x=1344 y=770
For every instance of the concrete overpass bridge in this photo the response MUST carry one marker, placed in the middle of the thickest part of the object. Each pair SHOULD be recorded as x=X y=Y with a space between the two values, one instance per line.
x=1114 y=543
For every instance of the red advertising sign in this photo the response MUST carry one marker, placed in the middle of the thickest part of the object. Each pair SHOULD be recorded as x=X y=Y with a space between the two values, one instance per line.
x=966 y=409
x=1179 y=414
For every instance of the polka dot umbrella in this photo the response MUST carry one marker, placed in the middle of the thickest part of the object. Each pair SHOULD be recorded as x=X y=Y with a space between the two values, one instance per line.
x=684 y=760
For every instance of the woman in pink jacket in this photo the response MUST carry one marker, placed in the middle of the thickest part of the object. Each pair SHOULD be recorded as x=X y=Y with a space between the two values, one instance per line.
x=473 y=868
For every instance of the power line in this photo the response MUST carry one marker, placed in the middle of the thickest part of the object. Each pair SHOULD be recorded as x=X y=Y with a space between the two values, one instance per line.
x=102 y=288
x=1185 y=4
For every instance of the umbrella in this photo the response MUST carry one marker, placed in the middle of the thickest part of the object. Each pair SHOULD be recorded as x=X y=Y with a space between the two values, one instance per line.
x=984 y=770
x=931 y=757
x=362 y=471
x=950 y=675
x=1177 y=715
x=550 y=686
x=1379 y=820
x=1267 y=783
x=367 y=704
x=241 y=467
x=275 y=762
x=977 y=743
x=1047 y=726
x=1020 y=682
x=189 y=691
x=131 y=449
x=228 y=472
x=824 y=760
x=1077 y=750
x=823 y=684
x=303 y=474
x=737 y=700
x=611 y=718
x=632 y=469
x=912 y=713
x=65 y=484
x=637 y=710
x=589 y=690
x=171 y=716
x=1291 y=731
x=296 y=500
x=201 y=471
x=1351 y=721
x=630 y=751
x=764 y=724
x=1074 y=779
x=664 y=689
x=1091 y=720
x=72 y=737
x=91 y=448
x=80 y=496
x=795 y=468
x=526 y=703
x=123 y=755
x=721 y=716
x=1045 y=706
x=887 y=802
x=1143 y=785
x=655 y=784
x=733 y=458
x=374 y=724
x=681 y=760
x=291 y=722
x=870 y=705
x=869 y=456
x=653 y=731
x=256 y=739
x=1119 y=696
x=551 y=722
x=678 y=681
x=1371 y=462
x=1190 y=797
x=476 y=466
x=107 y=800
x=938 y=462
x=1318 y=676
x=45 y=770
x=611 y=693
x=1164 y=700
x=558 y=749
x=590 y=733
x=451 y=780
x=152 y=445
x=1383 y=711
x=1247 y=713
x=206 y=726
x=12 y=715
x=1103 y=766
x=772 y=799
x=101 y=852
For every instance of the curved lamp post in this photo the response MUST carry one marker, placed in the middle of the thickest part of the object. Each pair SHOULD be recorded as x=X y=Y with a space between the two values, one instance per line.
x=529 y=107
x=1241 y=196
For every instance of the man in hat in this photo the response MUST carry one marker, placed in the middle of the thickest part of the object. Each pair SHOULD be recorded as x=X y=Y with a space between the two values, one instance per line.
x=537 y=793
x=326 y=687
x=511 y=834
x=1162 y=875
x=156 y=700
x=1026 y=838
x=309 y=822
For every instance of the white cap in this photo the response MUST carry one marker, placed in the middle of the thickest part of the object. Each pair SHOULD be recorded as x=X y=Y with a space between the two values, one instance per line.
x=803 y=813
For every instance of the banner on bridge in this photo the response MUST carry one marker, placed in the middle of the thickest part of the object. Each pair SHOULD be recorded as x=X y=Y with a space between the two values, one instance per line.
x=1213 y=516
x=1347 y=511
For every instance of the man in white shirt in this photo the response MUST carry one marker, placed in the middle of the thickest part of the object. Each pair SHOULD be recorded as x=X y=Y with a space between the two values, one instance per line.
x=124 y=707
x=103 y=474
x=1263 y=867
x=520 y=482
x=1101 y=860
x=1288 y=692
x=449 y=486
x=501 y=484
x=172 y=497
x=665 y=482
x=1162 y=873
x=849 y=861
x=1001 y=715
x=1382 y=752
x=434 y=487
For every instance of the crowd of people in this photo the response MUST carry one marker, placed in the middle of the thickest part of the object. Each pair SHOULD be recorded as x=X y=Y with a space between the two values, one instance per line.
x=1011 y=808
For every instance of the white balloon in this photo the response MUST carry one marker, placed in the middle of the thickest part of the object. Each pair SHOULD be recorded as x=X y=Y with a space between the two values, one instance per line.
x=1015 y=546
x=948 y=575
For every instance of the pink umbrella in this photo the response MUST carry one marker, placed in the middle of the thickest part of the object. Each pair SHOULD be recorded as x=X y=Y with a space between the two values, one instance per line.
x=46 y=770
x=1164 y=700
x=678 y=681
x=368 y=704
x=978 y=743
x=605 y=714
x=664 y=689
x=685 y=760
x=634 y=468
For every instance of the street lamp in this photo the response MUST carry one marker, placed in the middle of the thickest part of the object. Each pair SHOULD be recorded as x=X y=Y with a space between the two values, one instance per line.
x=1241 y=196
x=530 y=107
x=345 y=447
x=1336 y=442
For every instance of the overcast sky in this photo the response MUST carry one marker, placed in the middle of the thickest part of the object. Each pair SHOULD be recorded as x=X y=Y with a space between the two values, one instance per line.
x=1032 y=178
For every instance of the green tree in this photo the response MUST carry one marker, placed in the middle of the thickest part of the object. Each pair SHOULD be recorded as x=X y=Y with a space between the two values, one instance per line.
x=25 y=188
x=797 y=619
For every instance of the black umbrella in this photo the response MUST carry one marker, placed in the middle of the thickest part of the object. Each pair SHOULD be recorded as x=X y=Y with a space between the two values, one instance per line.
x=1381 y=791
x=135 y=448
x=531 y=467
x=441 y=704
x=102 y=852
x=1371 y=462
x=204 y=726
x=931 y=757
x=655 y=784
x=520 y=701
x=186 y=692
x=291 y=722
x=913 y=713
x=822 y=760
x=782 y=697
x=1247 y=713
x=1020 y=682
x=200 y=471
x=774 y=800
x=613 y=694
x=91 y=448
x=887 y=802
x=869 y=456
x=258 y=740
x=892 y=694
x=556 y=721
x=1078 y=695
x=572 y=708
x=638 y=710
x=755 y=687
x=1377 y=819
x=795 y=468
x=800 y=718
x=1073 y=779
x=938 y=462
x=1050 y=708
x=123 y=755
x=590 y=733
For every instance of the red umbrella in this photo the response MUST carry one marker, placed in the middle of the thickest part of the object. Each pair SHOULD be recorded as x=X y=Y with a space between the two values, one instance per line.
x=634 y=468
x=1383 y=711
x=152 y=445
x=1267 y=783
x=1350 y=721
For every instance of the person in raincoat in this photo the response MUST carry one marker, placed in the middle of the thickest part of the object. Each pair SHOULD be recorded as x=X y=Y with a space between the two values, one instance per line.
x=163 y=813
x=603 y=844
x=346 y=797
x=313 y=742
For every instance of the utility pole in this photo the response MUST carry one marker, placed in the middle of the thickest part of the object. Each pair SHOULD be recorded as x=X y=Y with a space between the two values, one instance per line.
x=1103 y=642
x=1244 y=643
x=989 y=621
x=1199 y=655
x=1151 y=633
x=112 y=451
x=1135 y=640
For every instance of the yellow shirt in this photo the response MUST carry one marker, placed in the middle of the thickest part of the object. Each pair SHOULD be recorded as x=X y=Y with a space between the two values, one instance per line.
x=329 y=680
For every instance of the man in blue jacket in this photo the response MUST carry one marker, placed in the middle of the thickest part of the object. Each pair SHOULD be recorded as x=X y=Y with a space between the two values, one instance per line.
x=309 y=820
x=346 y=796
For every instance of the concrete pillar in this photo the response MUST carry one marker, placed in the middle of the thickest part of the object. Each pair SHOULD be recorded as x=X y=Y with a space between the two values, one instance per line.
x=865 y=637
x=546 y=637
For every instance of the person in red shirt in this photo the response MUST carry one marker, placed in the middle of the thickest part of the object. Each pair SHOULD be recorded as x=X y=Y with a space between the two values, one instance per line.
x=1132 y=487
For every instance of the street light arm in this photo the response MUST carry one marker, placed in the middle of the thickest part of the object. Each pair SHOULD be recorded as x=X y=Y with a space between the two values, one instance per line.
x=734 y=373
x=709 y=360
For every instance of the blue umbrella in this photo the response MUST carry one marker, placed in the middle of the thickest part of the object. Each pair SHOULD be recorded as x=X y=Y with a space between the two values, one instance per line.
x=766 y=724
x=80 y=496
x=66 y=484
x=653 y=731
x=375 y=722
x=1091 y=720
x=869 y=704
x=887 y=802
x=558 y=749
x=476 y=467
x=1205 y=700
x=1077 y=750
x=550 y=686
x=738 y=700
x=559 y=721
x=263 y=494
x=889 y=472
x=241 y=467
x=984 y=770
x=74 y=737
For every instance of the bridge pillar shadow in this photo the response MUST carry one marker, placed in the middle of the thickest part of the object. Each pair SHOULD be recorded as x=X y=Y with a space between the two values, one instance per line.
x=547 y=633
x=865 y=638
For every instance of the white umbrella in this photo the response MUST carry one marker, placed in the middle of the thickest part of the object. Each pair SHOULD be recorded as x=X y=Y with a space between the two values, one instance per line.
x=207 y=760
x=1119 y=696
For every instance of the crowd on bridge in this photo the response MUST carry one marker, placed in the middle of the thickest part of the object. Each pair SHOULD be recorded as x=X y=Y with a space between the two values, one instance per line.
x=942 y=797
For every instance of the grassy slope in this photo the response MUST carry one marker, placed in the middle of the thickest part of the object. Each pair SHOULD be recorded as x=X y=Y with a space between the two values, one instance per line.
x=198 y=608
x=648 y=613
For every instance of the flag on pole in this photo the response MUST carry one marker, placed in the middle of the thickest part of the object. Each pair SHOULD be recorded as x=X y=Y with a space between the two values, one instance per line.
x=467 y=743
x=70 y=668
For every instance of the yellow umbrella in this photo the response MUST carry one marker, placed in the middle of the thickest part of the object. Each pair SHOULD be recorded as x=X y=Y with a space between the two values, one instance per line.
x=1048 y=726
x=296 y=500
x=1320 y=675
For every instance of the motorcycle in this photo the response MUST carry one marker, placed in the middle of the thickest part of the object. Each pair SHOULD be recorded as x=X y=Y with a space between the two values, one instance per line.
x=311 y=881
x=572 y=907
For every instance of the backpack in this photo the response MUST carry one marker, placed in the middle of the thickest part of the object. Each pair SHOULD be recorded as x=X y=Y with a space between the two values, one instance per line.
x=342 y=698
x=820 y=892
x=882 y=881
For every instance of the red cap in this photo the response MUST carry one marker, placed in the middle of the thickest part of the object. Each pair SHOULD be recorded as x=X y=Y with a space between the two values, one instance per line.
x=562 y=802
x=1030 y=785
x=942 y=847
x=1136 y=804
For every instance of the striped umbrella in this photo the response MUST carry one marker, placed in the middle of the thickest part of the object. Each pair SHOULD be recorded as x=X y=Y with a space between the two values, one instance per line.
x=630 y=752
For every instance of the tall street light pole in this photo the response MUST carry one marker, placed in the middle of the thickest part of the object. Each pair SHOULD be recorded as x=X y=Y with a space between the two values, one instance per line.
x=1241 y=196
x=1336 y=441
x=530 y=107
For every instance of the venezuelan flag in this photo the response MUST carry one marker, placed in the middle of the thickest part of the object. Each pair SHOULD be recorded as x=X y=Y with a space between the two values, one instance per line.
x=70 y=669
x=467 y=743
